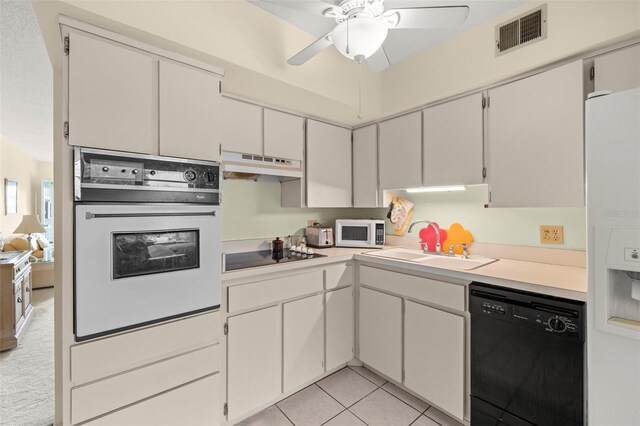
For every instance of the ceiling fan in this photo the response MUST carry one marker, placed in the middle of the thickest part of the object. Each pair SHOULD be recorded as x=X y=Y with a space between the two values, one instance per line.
x=363 y=26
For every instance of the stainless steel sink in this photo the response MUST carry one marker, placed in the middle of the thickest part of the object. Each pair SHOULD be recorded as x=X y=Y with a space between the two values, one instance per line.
x=436 y=261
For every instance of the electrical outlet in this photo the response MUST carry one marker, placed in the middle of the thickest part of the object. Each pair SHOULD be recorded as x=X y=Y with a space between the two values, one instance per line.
x=551 y=234
x=312 y=222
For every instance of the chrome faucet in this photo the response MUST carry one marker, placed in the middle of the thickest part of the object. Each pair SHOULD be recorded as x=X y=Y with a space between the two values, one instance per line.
x=426 y=248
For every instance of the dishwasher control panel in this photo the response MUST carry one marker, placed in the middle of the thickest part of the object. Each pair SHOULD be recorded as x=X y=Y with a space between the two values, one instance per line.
x=544 y=313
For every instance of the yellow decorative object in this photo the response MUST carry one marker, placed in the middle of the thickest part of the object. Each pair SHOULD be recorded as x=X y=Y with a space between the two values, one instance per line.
x=456 y=235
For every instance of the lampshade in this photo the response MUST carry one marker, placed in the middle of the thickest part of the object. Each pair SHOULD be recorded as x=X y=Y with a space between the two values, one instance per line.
x=363 y=36
x=30 y=225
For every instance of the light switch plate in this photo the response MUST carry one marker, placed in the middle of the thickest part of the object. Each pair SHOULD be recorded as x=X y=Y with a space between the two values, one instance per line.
x=551 y=234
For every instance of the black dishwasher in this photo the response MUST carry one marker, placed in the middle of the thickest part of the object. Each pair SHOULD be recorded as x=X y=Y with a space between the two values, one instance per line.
x=527 y=358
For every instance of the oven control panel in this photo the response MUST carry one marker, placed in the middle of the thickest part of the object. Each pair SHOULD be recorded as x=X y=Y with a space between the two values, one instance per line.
x=146 y=178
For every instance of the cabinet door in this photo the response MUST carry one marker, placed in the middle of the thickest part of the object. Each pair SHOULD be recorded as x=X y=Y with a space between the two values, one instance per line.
x=340 y=330
x=254 y=360
x=365 y=166
x=401 y=152
x=112 y=96
x=434 y=356
x=328 y=165
x=196 y=403
x=283 y=135
x=303 y=341
x=26 y=293
x=452 y=139
x=536 y=150
x=190 y=107
x=619 y=70
x=18 y=304
x=380 y=339
x=241 y=127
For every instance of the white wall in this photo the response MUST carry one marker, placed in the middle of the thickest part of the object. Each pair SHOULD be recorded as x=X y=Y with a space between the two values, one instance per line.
x=519 y=226
x=468 y=61
x=252 y=210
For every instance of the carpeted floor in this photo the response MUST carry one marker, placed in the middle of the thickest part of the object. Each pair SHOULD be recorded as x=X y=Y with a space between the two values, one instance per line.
x=26 y=372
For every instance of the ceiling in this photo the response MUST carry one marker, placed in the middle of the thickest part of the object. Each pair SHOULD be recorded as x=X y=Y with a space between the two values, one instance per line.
x=399 y=44
x=26 y=81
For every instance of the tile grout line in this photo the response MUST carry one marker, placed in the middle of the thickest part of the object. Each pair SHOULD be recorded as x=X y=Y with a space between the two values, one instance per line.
x=331 y=396
x=366 y=378
x=324 y=423
x=404 y=402
x=284 y=414
x=356 y=416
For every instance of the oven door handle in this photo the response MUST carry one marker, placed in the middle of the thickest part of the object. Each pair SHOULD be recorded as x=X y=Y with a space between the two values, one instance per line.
x=90 y=215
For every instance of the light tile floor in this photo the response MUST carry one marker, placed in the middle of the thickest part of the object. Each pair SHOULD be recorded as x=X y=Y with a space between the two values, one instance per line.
x=353 y=396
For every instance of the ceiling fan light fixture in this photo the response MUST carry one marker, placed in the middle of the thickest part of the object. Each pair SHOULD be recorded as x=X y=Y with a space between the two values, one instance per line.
x=360 y=37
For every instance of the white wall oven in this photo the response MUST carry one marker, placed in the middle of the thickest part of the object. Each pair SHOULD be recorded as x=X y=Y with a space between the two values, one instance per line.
x=147 y=240
x=367 y=233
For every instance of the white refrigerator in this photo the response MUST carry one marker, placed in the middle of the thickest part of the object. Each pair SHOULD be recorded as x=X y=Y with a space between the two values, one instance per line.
x=613 y=231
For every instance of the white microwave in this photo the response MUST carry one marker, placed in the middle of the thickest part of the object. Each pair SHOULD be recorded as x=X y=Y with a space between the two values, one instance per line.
x=367 y=233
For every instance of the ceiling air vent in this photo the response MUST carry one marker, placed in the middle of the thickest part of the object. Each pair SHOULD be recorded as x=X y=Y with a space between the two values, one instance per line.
x=523 y=30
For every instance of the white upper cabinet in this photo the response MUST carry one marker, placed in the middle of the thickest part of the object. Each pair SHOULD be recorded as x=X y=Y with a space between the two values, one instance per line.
x=328 y=165
x=190 y=105
x=283 y=135
x=365 y=166
x=452 y=139
x=401 y=152
x=112 y=96
x=619 y=70
x=535 y=145
x=241 y=127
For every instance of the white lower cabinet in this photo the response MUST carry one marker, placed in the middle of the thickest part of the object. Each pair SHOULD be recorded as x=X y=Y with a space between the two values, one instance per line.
x=196 y=403
x=381 y=332
x=340 y=327
x=434 y=356
x=254 y=360
x=303 y=338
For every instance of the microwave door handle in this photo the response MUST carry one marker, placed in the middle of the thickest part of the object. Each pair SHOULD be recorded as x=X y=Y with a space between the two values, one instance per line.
x=90 y=215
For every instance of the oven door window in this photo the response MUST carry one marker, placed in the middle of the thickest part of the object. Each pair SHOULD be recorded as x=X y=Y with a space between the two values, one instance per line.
x=355 y=233
x=144 y=253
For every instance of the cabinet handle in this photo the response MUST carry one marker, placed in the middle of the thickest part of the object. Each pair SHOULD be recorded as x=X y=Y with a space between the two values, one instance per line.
x=27 y=289
x=19 y=300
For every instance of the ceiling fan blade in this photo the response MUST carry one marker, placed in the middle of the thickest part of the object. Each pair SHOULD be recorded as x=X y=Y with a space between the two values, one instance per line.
x=315 y=7
x=428 y=17
x=379 y=61
x=310 y=51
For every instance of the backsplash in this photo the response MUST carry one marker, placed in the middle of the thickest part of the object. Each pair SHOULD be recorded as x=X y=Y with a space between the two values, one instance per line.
x=514 y=226
x=252 y=210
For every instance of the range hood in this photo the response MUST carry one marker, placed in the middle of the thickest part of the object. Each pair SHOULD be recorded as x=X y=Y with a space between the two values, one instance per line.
x=251 y=167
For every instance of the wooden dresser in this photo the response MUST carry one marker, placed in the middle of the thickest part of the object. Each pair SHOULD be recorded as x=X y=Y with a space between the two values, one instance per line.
x=15 y=298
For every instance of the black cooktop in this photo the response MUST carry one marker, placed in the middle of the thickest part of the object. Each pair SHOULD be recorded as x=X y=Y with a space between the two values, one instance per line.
x=251 y=259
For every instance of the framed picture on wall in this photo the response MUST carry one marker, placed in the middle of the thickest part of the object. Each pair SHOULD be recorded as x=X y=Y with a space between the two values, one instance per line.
x=10 y=196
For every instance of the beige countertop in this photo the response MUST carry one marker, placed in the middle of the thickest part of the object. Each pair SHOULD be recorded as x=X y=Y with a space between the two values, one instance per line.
x=545 y=278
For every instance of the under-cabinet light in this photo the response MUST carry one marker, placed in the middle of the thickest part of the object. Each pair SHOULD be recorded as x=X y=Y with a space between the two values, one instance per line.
x=437 y=189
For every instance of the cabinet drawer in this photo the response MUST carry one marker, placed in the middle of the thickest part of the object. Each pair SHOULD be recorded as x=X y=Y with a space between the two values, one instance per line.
x=339 y=275
x=272 y=290
x=447 y=294
x=196 y=403
x=101 y=358
x=115 y=392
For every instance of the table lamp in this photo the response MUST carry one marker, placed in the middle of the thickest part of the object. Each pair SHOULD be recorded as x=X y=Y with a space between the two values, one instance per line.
x=30 y=225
